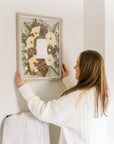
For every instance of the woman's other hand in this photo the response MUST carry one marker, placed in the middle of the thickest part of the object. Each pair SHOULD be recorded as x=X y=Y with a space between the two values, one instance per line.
x=19 y=80
x=65 y=71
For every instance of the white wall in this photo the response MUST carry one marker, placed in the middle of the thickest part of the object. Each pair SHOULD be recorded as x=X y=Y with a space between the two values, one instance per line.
x=94 y=25
x=72 y=13
x=99 y=35
x=109 y=59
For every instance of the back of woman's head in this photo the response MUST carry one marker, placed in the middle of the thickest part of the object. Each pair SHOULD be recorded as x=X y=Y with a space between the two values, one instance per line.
x=92 y=74
x=90 y=64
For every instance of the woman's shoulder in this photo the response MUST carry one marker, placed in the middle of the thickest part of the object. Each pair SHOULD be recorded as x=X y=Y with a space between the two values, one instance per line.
x=79 y=94
x=84 y=91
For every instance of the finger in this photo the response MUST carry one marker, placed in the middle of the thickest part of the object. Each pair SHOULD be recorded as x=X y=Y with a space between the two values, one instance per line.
x=20 y=77
x=17 y=77
x=63 y=71
x=65 y=68
x=63 y=64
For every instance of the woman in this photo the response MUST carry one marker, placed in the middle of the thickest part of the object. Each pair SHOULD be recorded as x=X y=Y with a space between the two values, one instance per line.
x=81 y=110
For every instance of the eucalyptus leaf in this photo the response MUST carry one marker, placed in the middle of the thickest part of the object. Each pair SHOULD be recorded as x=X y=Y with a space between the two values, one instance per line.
x=24 y=51
x=45 y=72
x=24 y=58
x=30 y=34
x=24 y=36
x=53 y=69
x=32 y=73
x=26 y=72
x=27 y=26
x=54 y=27
x=35 y=23
x=41 y=59
x=24 y=41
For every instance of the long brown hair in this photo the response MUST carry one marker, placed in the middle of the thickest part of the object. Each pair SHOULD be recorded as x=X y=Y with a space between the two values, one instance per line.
x=92 y=74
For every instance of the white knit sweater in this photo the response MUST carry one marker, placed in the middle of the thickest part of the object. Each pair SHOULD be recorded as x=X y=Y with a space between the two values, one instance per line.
x=76 y=118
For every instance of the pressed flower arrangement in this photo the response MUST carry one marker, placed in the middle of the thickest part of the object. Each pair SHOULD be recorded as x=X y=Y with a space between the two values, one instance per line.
x=40 y=39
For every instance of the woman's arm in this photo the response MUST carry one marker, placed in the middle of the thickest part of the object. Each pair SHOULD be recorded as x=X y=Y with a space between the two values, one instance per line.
x=68 y=82
x=55 y=111
x=67 y=79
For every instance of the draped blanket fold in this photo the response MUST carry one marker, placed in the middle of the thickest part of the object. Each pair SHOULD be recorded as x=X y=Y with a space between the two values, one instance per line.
x=24 y=128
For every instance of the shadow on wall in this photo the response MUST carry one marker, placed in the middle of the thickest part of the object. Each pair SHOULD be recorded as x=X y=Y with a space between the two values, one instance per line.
x=54 y=138
x=1 y=128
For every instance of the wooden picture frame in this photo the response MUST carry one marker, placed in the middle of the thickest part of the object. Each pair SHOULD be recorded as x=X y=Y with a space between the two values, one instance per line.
x=39 y=42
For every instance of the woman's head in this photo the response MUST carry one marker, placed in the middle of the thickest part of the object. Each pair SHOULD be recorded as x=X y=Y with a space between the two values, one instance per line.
x=88 y=68
x=90 y=72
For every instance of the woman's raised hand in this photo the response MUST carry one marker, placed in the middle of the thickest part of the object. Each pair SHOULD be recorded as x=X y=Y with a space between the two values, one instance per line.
x=19 y=80
x=65 y=71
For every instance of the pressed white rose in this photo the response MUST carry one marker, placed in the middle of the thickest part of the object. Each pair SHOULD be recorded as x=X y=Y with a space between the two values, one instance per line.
x=30 y=41
x=49 y=60
x=31 y=62
x=26 y=68
x=36 y=70
x=55 y=42
x=51 y=39
x=36 y=31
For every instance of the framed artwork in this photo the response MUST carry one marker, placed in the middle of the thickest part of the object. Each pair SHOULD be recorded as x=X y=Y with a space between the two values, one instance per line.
x=39 y=46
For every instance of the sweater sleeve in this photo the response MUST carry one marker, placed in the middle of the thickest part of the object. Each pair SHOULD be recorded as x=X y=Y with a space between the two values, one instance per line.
x=68 y=82
x=55 y=111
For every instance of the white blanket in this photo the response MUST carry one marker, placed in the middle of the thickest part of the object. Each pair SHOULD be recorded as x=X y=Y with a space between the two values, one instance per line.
x=24 y=128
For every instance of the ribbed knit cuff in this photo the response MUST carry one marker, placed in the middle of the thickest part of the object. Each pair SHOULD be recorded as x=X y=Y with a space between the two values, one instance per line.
x=68 y=82
x=26 y=92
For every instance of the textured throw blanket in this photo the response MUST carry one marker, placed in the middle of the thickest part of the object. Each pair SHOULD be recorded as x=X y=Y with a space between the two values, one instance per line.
x=24 y=128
